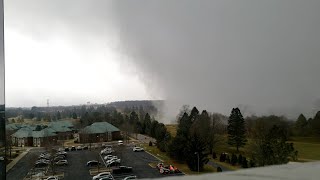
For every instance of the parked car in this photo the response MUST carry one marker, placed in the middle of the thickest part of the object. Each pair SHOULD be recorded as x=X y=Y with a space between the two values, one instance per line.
x=160 y=165
x=43 y=161
x=113 y=159
x=98 y=176
x=138 y=149
x=122 y=169
x=67 y=149
x=164 y=170
x=113 y=163
x=61 y=153
x=52 y=178
x=169 y=169
x=58 y=158
x=130 y=177
x=108 y=157
x=45 y=156
x=73 y=148
x=120 y=142
x=41 y=164
x=62 y=163
x=93 y=163
x=106 y=151
x=107 y=177
x=85 y=147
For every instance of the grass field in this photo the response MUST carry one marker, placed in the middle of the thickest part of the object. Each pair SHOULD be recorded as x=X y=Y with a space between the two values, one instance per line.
x=172 y=129
x=308 y=147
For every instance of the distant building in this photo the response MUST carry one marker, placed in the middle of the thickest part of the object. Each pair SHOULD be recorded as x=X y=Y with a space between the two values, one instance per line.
x=99 y=132
x=63 y=129
x=28 y=137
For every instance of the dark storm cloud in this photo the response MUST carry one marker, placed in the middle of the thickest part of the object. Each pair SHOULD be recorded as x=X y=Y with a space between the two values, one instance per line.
x=262 y=55
x=259 y=55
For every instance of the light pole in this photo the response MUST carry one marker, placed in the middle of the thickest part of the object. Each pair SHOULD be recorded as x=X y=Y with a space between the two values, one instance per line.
x=197 y=153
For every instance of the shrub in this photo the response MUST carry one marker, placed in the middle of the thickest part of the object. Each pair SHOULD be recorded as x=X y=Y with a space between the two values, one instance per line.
x=240 y=159
x=252 y=164
x=214 y=155
x=244 y=162
x=222 y=157
x=233 y=159
x=228 y=159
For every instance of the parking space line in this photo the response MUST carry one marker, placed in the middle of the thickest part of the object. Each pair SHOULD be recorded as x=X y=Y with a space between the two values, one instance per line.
x=103 y=160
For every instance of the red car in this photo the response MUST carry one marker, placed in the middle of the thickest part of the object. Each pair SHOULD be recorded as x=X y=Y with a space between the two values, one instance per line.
x=167 y=169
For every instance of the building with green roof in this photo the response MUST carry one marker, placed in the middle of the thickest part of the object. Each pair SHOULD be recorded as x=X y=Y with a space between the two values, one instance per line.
x=29 y=137
x=63 y=129
x=99 y=132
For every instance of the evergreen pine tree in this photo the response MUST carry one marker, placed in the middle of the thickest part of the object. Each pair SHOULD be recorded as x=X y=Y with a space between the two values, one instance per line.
x=236 y=129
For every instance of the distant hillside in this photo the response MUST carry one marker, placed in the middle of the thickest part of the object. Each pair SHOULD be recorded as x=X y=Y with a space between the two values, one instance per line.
x=153 y=107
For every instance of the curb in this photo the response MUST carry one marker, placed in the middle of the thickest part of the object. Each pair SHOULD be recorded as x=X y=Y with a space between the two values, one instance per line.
x=16 y=160
x=154 y=156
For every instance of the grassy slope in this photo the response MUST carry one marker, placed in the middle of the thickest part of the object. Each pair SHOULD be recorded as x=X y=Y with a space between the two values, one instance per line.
x=308 y=148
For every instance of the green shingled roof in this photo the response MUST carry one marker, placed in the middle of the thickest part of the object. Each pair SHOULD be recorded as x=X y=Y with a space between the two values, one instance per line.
x=23 y=133
x=61 y=126
x=43 y=133
x=13 y=126
x=26 y=132
x=99 y=128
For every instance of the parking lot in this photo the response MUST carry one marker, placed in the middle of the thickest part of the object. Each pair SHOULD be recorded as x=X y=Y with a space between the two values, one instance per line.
x=77 y=169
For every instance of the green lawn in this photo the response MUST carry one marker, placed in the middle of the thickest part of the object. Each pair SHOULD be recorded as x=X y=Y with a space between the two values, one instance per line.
x=308 y=148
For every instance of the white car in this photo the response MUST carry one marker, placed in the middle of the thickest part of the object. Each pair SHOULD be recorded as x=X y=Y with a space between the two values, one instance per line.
x=109 y=157
x=137 y=149
x=130 y=177
x=104 y=152
x=62 y=163
x=113 y=160
x=108 y=177
x=120 y=142
x=100 y=175
x=52 y=178
x=79 y=148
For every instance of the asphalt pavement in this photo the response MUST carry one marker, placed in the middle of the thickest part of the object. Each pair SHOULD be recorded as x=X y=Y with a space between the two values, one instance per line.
x=21 y=168
x=77 y=169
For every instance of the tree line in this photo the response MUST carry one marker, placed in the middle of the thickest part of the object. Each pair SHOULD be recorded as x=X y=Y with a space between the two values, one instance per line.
x=199 y=134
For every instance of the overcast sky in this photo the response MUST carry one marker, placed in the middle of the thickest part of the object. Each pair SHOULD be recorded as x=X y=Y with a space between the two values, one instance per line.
x=263 y=56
